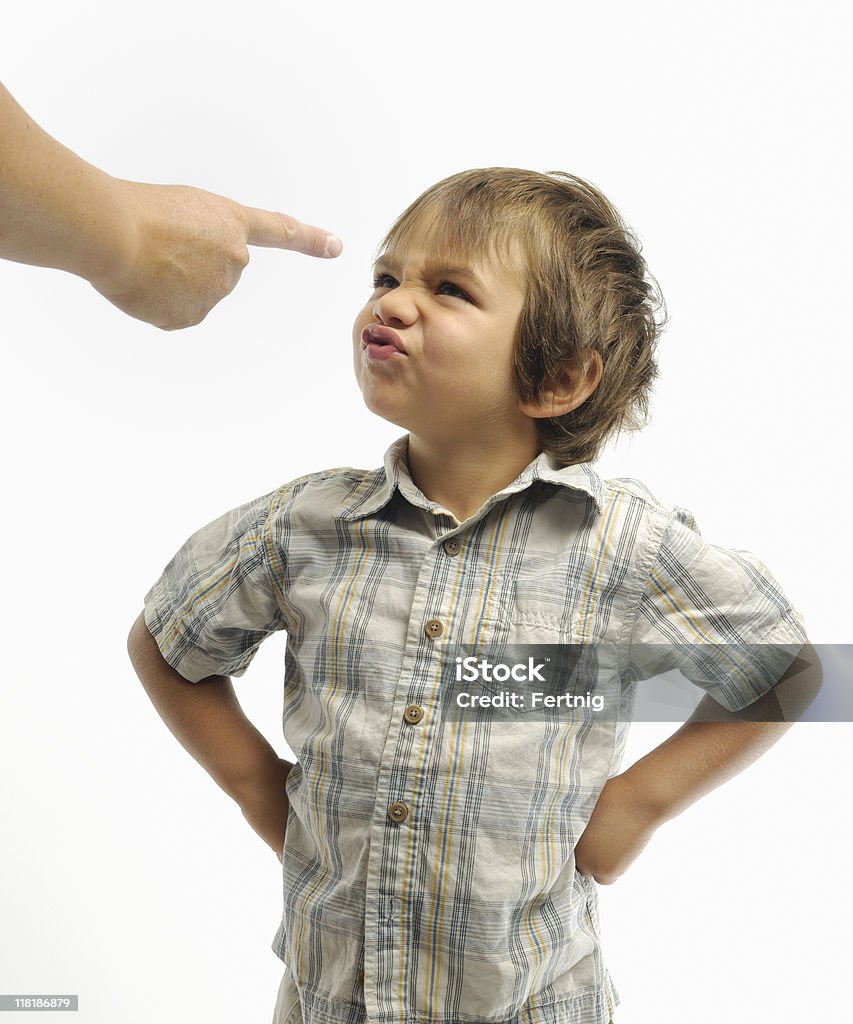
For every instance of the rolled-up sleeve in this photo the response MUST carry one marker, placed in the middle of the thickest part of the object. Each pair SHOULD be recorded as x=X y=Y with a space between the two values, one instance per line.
x=217 y=599
x=719 y=616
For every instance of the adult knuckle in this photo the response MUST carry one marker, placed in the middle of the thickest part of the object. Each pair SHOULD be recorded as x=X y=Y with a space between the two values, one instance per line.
x=290 y=227
x=204 y=307
x=227 y=283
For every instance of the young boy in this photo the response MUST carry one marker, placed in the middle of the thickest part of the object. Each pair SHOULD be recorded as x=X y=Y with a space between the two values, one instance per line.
x=440 y=868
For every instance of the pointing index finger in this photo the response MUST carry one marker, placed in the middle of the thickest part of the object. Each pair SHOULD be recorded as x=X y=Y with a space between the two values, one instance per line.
x=280 y=231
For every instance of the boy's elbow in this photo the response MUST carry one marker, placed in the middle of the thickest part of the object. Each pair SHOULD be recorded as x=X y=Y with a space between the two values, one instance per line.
x=807 y=664
x=800 y=685
x=814 y=672
x=137 y=637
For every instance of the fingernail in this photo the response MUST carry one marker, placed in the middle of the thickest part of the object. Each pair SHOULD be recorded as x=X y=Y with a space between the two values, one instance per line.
x=334 y=246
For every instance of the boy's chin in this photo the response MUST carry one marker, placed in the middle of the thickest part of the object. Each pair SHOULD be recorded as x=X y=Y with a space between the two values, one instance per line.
x=395 y=416
x=398 y=421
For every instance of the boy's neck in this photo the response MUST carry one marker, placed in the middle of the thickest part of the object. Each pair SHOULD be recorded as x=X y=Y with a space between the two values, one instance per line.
x=462 y=475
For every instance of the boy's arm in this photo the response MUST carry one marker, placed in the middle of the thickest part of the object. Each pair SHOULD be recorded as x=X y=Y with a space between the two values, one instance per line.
x=207 y=720
x=696 y=759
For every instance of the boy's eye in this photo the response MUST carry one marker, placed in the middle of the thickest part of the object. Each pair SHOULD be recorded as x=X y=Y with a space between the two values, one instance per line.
x=379 y=279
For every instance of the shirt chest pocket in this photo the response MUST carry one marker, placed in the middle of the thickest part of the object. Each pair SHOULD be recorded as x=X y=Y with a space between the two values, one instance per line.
x=546 y=611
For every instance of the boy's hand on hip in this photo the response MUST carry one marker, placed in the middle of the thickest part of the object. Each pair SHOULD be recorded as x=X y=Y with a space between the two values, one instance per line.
x=617 y=832
x=265 y=806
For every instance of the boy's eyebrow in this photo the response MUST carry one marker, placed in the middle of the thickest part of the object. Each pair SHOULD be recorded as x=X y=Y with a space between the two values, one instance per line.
x=434 y=268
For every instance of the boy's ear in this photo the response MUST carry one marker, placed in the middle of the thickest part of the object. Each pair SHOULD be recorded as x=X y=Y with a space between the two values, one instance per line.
x=574 y=386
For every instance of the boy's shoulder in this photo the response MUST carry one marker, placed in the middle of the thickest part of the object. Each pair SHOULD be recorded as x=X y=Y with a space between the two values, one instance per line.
x=346 y=473
x=609 y=493
x=343 y=492
x=616 y=488
x=631 y=485
x=326 y=491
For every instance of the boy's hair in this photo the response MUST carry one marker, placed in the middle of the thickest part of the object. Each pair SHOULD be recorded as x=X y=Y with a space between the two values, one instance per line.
x=587 y=288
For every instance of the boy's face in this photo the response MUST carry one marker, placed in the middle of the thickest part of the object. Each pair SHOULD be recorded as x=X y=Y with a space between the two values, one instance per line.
x=457 y=333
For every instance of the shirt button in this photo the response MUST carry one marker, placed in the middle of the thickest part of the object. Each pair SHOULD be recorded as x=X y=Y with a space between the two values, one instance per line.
x=398 y=812
x=452 y=546
x=434 y=628
x=413 y=714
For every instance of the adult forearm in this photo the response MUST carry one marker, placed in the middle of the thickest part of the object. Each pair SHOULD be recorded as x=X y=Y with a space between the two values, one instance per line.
x=207 y=720
x=56 y=210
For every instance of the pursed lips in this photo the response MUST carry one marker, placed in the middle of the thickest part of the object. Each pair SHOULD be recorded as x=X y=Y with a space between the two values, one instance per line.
x=377 y=335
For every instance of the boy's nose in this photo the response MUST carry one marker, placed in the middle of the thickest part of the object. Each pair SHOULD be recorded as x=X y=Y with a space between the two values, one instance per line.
x=386 y=310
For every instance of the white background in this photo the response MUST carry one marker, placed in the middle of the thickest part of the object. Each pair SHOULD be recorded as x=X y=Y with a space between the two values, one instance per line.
x=720 y=132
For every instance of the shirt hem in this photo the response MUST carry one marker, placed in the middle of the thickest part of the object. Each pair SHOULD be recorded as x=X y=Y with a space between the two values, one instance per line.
x=588 y=1006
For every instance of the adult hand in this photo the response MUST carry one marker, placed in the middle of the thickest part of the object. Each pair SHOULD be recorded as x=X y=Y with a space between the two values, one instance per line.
x=186 y=249
x=165 y=254
x=617 y=832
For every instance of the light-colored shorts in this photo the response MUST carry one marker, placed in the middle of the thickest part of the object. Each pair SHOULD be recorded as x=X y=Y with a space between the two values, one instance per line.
x=287 y=1006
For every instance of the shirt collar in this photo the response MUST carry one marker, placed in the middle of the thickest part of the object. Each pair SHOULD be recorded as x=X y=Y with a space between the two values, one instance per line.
x=378 y=486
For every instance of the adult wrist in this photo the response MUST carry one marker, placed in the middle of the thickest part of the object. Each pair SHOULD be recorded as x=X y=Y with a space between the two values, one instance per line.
x=114 y=251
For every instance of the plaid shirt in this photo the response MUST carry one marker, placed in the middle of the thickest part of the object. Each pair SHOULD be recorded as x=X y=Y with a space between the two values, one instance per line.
x=429 y=871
